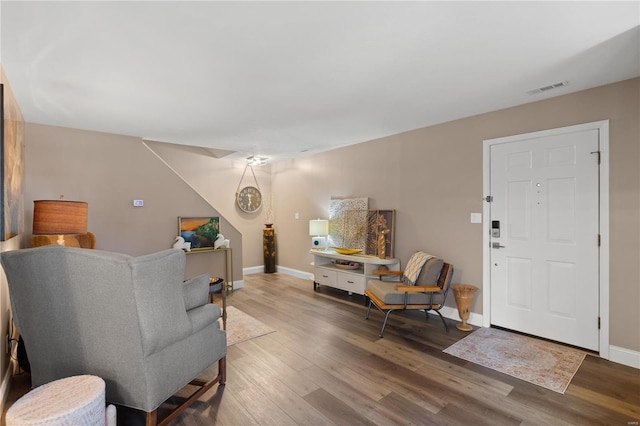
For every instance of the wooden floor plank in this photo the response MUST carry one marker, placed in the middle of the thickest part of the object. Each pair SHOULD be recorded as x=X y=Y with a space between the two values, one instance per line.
x=401 y=381
x=364 y=409
x=335 y=409
x=325 y=365
x=627 y=410
x=412 y=413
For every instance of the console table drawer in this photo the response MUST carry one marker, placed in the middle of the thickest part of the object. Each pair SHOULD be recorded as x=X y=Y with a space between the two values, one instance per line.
x=351 y=282
x=325 y=276
x=329 y=273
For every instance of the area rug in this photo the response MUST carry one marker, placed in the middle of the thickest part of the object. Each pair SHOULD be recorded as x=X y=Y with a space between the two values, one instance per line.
x=537 y=361
x=242 y=327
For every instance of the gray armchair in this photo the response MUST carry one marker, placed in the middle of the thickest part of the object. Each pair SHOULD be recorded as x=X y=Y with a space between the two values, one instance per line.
x=130 y=320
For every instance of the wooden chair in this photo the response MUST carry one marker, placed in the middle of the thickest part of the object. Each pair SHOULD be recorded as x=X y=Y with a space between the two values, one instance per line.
x=428 y=294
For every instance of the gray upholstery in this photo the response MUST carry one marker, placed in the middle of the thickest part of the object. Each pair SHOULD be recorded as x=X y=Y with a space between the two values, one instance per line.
x=130 y=320
x=430 y=272
x=386 y=291
x=429 y=293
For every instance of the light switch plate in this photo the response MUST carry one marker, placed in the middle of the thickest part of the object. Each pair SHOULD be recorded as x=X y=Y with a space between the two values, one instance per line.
x=138 y=203
x=476 y=217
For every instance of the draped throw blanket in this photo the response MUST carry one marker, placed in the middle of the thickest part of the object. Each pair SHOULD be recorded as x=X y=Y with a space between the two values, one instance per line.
x=414 y=266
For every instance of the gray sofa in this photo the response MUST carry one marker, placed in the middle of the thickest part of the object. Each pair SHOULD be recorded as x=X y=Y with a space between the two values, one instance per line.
x=130 y=320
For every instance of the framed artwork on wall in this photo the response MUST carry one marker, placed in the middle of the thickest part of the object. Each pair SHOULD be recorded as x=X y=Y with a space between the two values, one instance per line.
x=11 y=164
x=201 y=232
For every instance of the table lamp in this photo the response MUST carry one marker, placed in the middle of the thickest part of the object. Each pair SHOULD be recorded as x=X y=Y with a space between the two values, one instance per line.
x=318 y=230
x=59 y=217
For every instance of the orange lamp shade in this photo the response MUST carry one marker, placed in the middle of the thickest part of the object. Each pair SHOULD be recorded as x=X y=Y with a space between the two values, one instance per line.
x=57 y=217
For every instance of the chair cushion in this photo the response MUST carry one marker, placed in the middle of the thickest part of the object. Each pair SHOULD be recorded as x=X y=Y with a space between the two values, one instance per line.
x=430 y=272
x=194 y=291
x=204 y=316
x=386 y=291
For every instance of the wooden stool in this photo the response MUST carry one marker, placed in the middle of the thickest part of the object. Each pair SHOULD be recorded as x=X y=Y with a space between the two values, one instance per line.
x=77 y=400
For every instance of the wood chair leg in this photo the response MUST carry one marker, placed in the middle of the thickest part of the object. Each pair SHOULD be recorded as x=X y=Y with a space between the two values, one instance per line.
x=222 y=370
x=224 y=306
x=221 y=378
x=152 y=418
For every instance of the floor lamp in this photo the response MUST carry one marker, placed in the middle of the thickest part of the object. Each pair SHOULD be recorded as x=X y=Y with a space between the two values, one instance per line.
x=59 y=217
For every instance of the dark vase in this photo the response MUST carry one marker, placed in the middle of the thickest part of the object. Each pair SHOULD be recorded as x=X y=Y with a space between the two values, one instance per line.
x=269 y=248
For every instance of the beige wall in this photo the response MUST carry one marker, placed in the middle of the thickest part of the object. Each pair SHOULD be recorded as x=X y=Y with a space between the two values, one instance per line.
x=217 y=180
x=109 y=172
x=433 y=177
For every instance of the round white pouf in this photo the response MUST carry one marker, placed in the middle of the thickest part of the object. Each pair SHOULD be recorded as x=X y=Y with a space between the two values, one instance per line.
x=77 y=400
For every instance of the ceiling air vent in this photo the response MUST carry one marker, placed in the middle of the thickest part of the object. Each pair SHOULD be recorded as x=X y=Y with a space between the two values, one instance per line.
x=547 y=88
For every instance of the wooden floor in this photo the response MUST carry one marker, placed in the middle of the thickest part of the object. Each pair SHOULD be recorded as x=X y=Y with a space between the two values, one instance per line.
x=325 y=365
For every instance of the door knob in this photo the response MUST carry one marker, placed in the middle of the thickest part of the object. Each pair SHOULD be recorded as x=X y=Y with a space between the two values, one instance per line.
x=496 y=245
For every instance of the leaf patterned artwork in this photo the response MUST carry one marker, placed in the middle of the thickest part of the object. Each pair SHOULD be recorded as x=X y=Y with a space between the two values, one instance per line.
x=380 y=233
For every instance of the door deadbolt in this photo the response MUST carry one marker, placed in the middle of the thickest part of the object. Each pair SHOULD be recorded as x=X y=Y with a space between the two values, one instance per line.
x=495 y=229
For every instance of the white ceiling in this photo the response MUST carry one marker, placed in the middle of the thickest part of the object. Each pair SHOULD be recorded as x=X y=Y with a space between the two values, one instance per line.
x=284 y=79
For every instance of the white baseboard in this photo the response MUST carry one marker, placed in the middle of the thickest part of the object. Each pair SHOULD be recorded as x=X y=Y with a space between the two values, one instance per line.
x=624 y=356
x=296 y=273
x=452 y=313
x=281 y=269
x=5 y=386
x=253 y=270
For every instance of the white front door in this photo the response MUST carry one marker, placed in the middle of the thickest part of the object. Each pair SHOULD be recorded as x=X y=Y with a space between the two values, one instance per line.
x=544 y=264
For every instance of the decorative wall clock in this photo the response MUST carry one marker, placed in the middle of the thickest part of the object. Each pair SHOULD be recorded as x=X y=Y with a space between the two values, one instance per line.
x=249 y=198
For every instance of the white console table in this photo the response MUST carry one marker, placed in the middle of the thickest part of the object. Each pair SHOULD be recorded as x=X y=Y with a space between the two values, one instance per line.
x=352 y=280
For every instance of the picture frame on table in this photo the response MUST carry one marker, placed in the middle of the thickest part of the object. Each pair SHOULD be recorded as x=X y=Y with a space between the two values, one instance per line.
x=380 y=222
x=201 y=232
